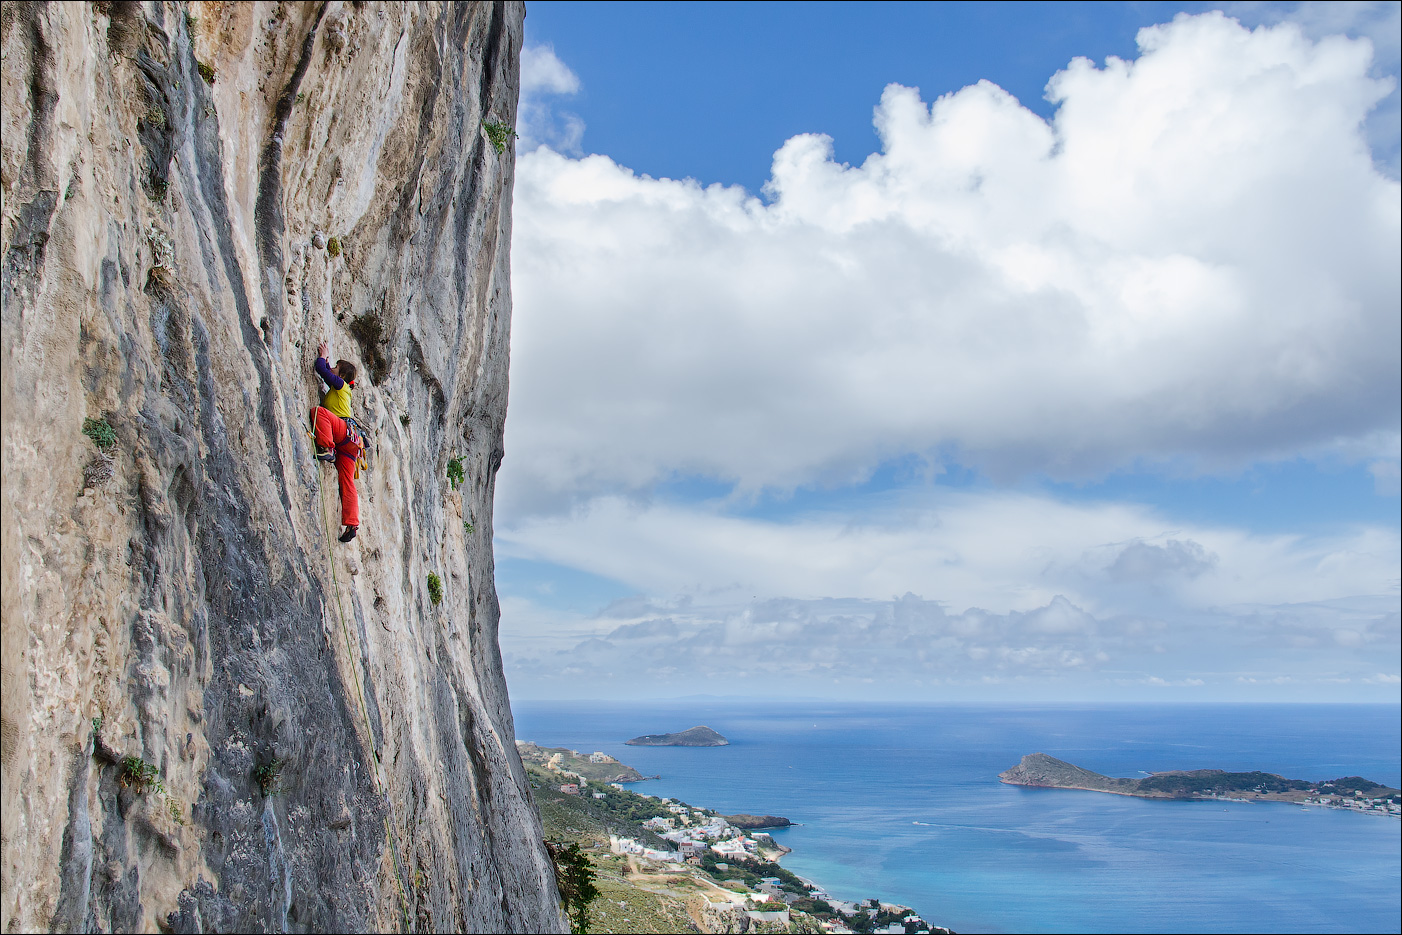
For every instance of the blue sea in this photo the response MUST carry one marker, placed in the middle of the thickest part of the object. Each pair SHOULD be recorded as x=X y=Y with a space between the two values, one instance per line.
x=903 y=803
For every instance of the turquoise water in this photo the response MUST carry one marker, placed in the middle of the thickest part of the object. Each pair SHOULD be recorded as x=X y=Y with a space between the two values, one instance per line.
x=903 y=803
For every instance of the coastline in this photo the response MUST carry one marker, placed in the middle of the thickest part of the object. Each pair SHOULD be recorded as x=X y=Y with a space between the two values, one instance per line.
x=920 y=780
x=679 y=860
x=1349 y=793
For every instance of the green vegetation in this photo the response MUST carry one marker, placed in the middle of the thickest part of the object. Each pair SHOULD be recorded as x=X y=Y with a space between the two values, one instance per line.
x=97 y=724
x=333 y=246
x=159 y=188
x=750 y=871
x=814 y=907
x=500 y=134
x=585 y=818
x=155 y=116
x=574 y=877
x=301 y=96
x=267 y=776
x=435 y=588
x=404 y=419
x=469 y=528
x=141 y=776
x=101 y=432
x=1218 y=782
x=455 y=473
x=206 y=71
x=1357 y=784
x=625 y=806
x=1201 y=782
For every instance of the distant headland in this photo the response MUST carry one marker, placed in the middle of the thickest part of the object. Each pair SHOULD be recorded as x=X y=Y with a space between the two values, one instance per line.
x=692 y=737
x=757 y=822
x=1038 y=769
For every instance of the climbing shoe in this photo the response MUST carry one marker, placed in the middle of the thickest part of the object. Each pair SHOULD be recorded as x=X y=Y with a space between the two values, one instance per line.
x=349 y=534
x=326 y=454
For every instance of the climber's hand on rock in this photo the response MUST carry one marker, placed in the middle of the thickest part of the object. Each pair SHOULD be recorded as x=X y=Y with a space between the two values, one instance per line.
x=321 y=349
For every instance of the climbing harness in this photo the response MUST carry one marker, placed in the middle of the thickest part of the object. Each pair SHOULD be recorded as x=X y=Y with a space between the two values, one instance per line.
x=391 y=822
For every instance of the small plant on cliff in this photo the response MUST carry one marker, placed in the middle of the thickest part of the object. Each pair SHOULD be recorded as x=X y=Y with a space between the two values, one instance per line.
x=267 y=776
x=435 y=588
x=141 y=776
x=469 y=528
x=404 y=419
x=499 y=134
x=574 y=878
x=101 y=433
x=333 y=246
x=206 y=71
x=369 y=332
x=455 y=472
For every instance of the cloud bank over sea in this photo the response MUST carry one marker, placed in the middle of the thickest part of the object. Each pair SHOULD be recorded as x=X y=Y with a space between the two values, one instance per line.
x=1190 y=268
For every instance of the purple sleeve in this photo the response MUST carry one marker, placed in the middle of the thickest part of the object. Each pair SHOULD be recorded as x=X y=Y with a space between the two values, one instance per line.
x=323 y=370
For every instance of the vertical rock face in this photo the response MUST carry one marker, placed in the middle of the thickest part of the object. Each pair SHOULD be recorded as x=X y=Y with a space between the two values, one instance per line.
x=215 y=716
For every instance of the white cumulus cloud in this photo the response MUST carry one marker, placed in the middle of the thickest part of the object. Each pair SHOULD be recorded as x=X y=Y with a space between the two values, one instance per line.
x=543 y=79
x=1195 y=259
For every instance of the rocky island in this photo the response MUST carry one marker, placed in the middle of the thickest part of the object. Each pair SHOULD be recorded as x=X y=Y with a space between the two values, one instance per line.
x=692 y=737
x=1039 y=769
x=756 y=822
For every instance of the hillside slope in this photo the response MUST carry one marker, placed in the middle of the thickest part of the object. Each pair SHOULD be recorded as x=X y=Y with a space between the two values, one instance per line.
x=215 y=716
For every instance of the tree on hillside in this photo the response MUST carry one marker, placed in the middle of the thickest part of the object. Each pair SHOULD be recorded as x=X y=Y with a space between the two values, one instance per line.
x=574 y=877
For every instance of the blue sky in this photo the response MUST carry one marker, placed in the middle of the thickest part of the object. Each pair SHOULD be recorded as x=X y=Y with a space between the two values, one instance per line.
x=888 y=338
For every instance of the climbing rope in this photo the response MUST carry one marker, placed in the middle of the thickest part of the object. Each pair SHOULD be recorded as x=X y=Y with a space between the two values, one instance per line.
x=391 y=822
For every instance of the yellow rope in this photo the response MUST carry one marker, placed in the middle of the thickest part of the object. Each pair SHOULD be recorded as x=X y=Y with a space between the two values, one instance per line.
x=364 y=711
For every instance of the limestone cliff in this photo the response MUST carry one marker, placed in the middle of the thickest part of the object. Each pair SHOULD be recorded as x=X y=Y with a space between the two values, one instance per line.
x=215 y=717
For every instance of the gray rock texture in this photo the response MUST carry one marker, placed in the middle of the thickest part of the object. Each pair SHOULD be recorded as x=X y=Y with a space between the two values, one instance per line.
x=213 y=716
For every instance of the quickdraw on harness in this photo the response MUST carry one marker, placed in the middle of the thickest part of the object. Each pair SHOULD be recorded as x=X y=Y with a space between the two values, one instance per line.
x=356 y=434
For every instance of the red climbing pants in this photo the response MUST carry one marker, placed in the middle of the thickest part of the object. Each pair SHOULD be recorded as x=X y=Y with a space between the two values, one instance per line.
x=331 y=433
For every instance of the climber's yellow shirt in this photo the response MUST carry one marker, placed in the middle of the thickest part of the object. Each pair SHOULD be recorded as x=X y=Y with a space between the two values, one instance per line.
x=338 y=391
x=338 y=401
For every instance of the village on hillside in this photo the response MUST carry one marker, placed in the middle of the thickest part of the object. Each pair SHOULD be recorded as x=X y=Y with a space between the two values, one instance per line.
x=679 y=867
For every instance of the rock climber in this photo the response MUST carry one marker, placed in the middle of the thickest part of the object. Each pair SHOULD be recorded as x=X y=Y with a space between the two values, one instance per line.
x=336 y=443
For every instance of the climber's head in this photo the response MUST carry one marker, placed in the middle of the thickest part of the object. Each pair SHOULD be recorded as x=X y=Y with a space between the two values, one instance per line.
x=345 y=370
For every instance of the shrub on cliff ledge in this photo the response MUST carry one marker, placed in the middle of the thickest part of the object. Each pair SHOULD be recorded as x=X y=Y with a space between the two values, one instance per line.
x=435 y=588
x=500 y=134
x=267 y=776
x=141 y=776
x=369 y=333
x=101 y=433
